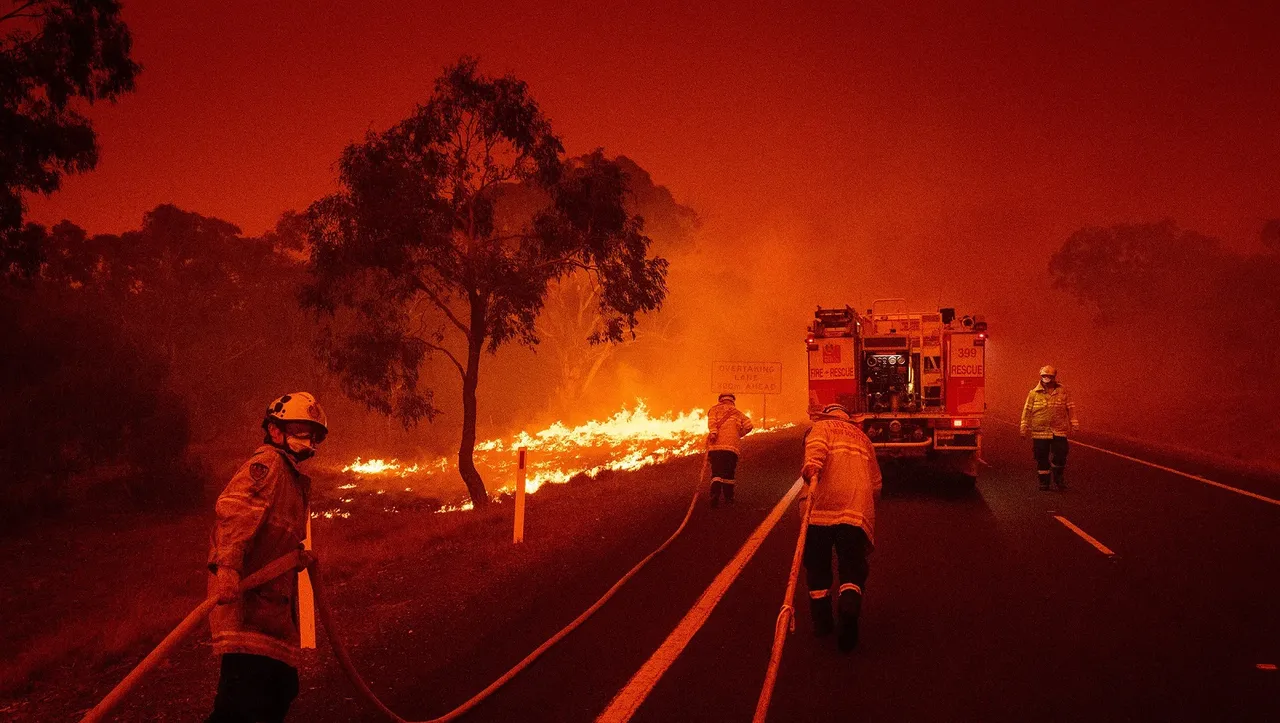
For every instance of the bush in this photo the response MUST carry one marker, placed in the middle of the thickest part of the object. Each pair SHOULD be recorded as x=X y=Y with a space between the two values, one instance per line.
x=83 y=406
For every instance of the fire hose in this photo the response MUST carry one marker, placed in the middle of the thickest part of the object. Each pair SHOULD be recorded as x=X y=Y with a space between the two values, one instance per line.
x=295 y=561
x=786 y=622
x=281 y=565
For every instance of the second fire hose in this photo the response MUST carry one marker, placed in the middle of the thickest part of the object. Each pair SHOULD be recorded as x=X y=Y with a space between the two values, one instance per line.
x=786 y=622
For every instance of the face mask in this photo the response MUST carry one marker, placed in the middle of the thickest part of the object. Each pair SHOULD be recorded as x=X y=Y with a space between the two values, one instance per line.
x=300 y=447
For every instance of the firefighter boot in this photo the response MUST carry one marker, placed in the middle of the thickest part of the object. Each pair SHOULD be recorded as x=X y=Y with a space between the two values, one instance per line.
x=850 y=608
x=715 y=492
x=823 y=621
x=728 y=488
x=1044 y=480
x=1060 y=478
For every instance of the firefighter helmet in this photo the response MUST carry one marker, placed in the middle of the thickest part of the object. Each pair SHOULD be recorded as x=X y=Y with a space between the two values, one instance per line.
x=298 y=407
x=834 y=408
x=727 y=396
x=1048 y=370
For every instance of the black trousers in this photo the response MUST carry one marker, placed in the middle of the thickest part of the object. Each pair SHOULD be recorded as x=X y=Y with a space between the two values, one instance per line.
x=724 y=464
x=253 y=689
x=1050 y=451
x=851 y=547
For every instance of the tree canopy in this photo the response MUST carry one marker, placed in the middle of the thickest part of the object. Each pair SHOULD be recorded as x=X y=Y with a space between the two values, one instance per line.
x=1127 y=267
x=55 y=57
x=413 y=257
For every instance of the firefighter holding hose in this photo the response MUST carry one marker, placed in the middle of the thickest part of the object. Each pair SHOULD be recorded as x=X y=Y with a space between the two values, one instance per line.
x=725 y=427
x=261 y=515
x=843 y=478
x=1048 y=415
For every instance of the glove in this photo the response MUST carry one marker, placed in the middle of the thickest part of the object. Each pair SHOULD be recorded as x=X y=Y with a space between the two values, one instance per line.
x=711 y=438
x=808 y=472
x=1075 y=426
x=226 y=585
x=305 y=558
x=1022 y=432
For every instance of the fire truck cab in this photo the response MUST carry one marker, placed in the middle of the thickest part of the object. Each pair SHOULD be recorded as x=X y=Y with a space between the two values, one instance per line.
x=914 y=382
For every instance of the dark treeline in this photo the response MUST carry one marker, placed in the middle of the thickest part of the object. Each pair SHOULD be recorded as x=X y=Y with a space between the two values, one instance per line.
x=1186 y=332
x=121 y=350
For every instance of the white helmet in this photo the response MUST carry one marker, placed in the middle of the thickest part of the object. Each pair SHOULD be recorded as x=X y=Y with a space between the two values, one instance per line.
x=298 y=407
x=835 y=410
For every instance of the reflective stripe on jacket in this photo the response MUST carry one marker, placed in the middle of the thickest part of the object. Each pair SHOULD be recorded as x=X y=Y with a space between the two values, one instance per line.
x=848 y=479
x=727 y=426
x=260 y=516
x=1049 y=413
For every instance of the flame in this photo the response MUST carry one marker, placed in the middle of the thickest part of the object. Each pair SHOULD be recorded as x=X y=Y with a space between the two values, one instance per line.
x=626 y=441
x=378 y=466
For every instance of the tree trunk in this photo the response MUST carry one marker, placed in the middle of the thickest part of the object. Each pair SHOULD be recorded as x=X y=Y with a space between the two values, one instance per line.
x=470 y=380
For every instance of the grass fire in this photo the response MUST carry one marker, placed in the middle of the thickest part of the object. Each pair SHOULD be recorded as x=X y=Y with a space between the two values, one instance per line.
x=628 y=440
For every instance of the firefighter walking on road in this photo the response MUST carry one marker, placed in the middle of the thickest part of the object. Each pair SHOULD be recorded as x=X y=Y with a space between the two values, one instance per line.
x=842 y=476
x=726 y=426
x=1049 y=415
x=260 y=516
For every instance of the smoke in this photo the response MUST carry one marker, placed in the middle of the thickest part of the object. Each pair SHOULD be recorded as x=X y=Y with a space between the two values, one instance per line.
x=1179 y=368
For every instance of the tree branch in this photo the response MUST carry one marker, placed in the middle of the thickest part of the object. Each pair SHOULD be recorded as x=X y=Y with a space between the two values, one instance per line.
x=436 y=347
x=435 y=299
x=570 y=260
x=18 y=12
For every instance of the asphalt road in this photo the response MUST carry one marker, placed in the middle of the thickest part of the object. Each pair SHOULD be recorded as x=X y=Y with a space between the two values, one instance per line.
x=981 y=606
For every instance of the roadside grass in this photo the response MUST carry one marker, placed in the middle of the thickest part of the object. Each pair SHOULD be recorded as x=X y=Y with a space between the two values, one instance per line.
x=76 y=598
x=82 y=604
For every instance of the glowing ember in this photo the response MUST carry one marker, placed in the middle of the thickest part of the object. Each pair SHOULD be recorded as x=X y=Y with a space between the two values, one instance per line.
x=628 y=440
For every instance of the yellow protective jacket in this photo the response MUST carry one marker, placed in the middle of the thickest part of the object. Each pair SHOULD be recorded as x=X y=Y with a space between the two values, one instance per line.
x=726 y=427
x=261 y=515
x=1049 y=413
x=848 y=480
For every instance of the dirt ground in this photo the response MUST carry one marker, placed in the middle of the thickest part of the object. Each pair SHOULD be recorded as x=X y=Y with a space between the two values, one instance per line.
x=84 y=602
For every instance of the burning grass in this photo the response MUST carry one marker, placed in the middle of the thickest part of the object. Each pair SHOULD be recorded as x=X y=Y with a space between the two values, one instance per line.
x=629 y=440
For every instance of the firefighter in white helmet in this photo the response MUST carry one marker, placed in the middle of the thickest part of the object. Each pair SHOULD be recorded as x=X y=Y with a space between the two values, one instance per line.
x=260 y=516
x=1049 y=415
x=842 y=476
x=726 y=426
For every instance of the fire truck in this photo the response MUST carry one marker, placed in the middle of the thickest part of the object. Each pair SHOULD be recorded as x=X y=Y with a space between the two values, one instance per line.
x=914 y=382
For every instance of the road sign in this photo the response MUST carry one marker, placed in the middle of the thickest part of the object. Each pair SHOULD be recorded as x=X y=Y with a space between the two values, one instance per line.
x=746 y=377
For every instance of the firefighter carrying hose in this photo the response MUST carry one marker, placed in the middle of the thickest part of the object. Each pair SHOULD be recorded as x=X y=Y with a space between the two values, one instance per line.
x=725 y=427
x=261 y=515
x=841 y=460
x=1048 y=415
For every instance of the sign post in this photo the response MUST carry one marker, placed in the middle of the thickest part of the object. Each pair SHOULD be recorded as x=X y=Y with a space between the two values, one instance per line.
x=522 y=458
x=763 y=378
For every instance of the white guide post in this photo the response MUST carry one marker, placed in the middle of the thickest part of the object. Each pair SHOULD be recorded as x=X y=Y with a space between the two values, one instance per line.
x=306 y=602
x=523 y=456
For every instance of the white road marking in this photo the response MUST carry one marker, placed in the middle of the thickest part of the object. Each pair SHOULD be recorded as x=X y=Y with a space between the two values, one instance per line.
x=625 y=704
x=1188 y=475
x=1087 y=537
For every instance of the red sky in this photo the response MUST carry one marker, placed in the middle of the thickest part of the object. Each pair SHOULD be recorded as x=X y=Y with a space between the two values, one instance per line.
x=931 y=150
x=841 y=151
x=887 y=119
